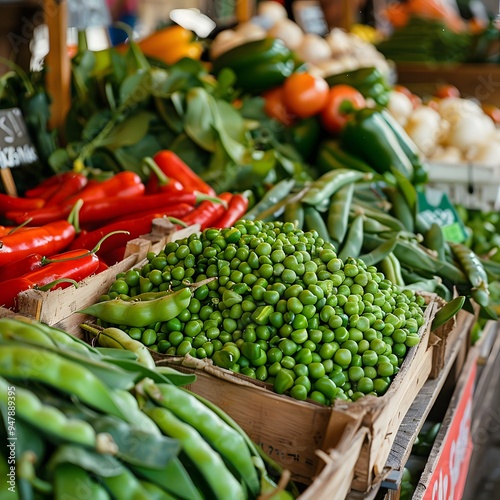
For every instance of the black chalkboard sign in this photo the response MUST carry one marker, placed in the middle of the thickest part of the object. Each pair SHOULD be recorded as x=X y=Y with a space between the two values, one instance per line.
x=16 y=148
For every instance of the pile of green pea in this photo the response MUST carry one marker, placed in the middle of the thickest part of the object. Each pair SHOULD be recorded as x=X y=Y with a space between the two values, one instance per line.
x=282 y=309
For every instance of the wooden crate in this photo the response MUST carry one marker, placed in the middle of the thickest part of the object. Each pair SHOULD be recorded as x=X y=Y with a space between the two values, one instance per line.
x=58 y=307
x=289 y=431
x=383 y=416
x=294 y=430
x=334 y=480
x=478 y=81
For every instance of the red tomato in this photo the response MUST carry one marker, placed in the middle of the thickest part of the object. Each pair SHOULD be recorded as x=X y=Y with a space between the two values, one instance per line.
x=446 y=90
x=305 y=94
x=274 y=106
x=342 y=101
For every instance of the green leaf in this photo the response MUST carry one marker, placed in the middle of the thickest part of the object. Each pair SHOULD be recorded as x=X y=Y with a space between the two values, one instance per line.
x=101 y=465
x=135 y=89
x=127 y=161
x=196 y=157
x=198 y=121
x=169 y=112
x=95 y=124
x=129 y=132
x=59 y=160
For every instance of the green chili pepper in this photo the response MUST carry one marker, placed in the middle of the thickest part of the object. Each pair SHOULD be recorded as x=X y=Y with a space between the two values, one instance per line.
x=208 y=462
x=142 y=313
x=369 y=136
x=224 y=439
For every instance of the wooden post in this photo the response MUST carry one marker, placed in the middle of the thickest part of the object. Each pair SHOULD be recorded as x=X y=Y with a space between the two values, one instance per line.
x=58 y=77
x=244 y=10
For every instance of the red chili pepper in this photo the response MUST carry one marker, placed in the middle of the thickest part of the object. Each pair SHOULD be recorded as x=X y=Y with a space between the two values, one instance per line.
x=47 y=185
x=21 y=266
x=74 y=264
x=123 y=184
x=175 y=168
x=113 y=256
x=102 y=266
x=236 y=208
x=208 y=212
x=102 y=210
x=10 y=289
x=46 y=239
x=158 y=182
x=72 y=185
x=180 y=210
x=10 y=203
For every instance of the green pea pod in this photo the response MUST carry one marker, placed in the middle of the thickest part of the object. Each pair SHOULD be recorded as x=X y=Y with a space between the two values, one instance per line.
x=142 y=313
x=176 y=377
x=96 y=463
x=118 y=339
x=434 y=240
x=331 y=155
x=470 y=263
x=223 y=438
x=8 y=489
x=113 y=352
x=391 y=268
x=182 y=488
x=374 y=226
x=447 y=312
x=400 y=208
x=271 y=197
x=329 y=183
x=294 y=212
x=206 y=460
x=125 y=486
x=379 y=253
x=106 y=372
x=313 y=221
x=155 y=492
x=22 y=362
x=338 y=213
x=444 y=292
x=70 y=481
x=426 y=285
x=52 y=422
x=378 y=215
x=353 y=243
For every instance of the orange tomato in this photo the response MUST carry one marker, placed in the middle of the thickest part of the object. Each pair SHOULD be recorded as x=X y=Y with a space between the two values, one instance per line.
x=341 y=102
x=305 y=94
x=446 y=90
x=274 y=106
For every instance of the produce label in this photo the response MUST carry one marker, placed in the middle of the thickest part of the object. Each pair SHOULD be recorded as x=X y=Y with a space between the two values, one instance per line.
x=448 y=479
x=16 y=148
x=436 y=207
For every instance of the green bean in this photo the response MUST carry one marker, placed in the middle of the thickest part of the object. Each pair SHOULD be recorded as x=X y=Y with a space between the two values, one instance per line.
x=208 y=462
x=353 y=243
x=329 y=183
x=338 y=214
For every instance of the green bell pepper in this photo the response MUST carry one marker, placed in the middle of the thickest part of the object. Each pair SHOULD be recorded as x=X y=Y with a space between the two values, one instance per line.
x=258 y=65
x=369 y=136
x=370 y=81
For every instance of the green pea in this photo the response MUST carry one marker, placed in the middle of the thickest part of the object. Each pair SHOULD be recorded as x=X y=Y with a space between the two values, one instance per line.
x=175 y=338
x=183 y=348
x=135 y=333
x=378 y=346
x=341 y=334
x=399 y=350
x=193 y=328
x=288 y=347
x=356 y=373
x=132 y=277
x=328 y=350
x=412 y=339
x=120 y=286
x=274 y=368
x=370 y=358
x=294 y=305
x=148 y=336
x=318 y=397
x=288 y=276
x=299 y=392
x=380 y=386
x=316 y=370
x=343 y=357
x=385 y=369
x=326 y=386
x=338 y=378
x=370 y=372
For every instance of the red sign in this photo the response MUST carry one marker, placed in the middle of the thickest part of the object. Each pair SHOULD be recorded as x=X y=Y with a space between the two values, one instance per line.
x=448 y=480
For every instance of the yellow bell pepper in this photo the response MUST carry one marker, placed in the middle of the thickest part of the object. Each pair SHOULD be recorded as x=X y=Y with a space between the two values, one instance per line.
x=171 y=44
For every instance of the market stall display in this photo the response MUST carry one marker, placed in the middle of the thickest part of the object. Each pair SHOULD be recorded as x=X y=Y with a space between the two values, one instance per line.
x=254 y=210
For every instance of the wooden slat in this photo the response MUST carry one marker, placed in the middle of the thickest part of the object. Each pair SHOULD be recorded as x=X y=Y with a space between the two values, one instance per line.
x=58 y=75
x=417 y=414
